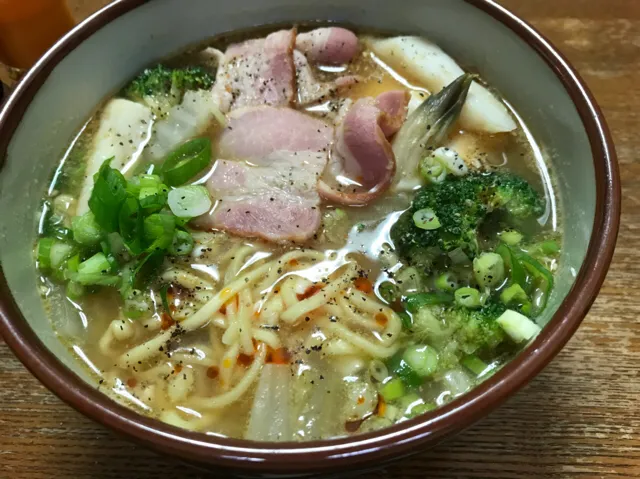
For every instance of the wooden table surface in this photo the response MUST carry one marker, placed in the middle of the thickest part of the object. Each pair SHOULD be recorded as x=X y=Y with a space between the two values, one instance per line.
x=579 y=418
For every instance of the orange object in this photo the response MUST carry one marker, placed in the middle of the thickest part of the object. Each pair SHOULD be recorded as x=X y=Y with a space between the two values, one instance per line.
x=29 y=27
x=278 y=356
x=310 y=291
x=364 y=285
x=244 y=359
x=167 y=321
x=381 y=319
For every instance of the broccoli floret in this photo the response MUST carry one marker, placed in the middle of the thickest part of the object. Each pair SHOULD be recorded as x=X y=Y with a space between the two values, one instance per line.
x=461 y=205
x=161 y=87
x=458 y=331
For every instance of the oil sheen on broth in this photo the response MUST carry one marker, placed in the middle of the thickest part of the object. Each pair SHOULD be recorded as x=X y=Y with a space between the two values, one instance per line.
x=371 y=234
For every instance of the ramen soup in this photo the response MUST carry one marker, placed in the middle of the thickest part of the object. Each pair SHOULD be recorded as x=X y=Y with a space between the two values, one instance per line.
x=299 y=235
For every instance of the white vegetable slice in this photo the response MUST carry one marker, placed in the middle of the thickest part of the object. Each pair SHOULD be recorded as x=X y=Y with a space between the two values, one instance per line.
x=451 y=160
x=189 y=201
x=124 y=130
x=518 y=326
x=457 y=382
x=183 y=122
x=270 y=418
x=428 y=63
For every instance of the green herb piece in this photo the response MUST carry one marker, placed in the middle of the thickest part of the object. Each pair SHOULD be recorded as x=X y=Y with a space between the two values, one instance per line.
x=186 y=161
x=86 y=230
x=108 y=194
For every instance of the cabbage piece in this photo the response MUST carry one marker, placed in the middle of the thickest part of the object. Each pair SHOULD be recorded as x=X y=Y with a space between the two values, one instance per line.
x=317 y=400
x=183 y=122
x=270 y=418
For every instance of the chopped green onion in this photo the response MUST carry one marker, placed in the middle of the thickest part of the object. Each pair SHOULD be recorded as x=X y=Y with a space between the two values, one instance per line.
x=392 y=390
x=106 y=249
x=488 y=269
x=406 y=319
x=514 y=294
x=511 y=237
x=468 y=298
x=474 y=364
x=136 y=304
x=153 y=198
x=108 y=194
x=517 y=274
x=95 y=271
x=388 y=291
x=150 y=181
x=86 y=230
x=189 y=201
x=420 y=409
x=74 y=290
x=132 y=225
x=134 y=272
x=98 y=263
x=432 y=170
x=59 y=253
x=43 y=253
x=422 y=359
x=413 y=405
x=517 y=326
x=117 y=246
x=415 y=302
x=542 y=280
x=446 y=282
x=426 y=219
x=73 y=263
x=550 y=248
x=186 y=161
x=158 y=231
x=399 y=367
x=182 y=243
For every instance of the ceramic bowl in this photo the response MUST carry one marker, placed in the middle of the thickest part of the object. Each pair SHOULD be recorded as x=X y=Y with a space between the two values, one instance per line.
x=96 y=58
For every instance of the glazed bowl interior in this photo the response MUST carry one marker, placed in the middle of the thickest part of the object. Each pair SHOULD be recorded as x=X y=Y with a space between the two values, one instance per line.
x=102 y=63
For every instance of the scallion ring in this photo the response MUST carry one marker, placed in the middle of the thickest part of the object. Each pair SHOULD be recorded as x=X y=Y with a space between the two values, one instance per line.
x=189 y=201
x=186 y=161
x=426 y=219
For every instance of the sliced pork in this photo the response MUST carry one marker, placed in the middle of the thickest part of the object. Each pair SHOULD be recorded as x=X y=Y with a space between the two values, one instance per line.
x=275 y=198
x=328 y=46
x=310 y=90
x=257 y=132
x=257 y=72
x=362 y=157
x=393 y=105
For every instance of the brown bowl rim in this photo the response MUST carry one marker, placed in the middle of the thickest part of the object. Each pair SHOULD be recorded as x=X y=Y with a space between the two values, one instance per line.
x=401 y=439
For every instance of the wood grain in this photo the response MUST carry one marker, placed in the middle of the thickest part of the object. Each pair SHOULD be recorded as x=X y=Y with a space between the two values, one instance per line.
x=579 y=419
